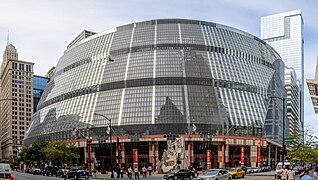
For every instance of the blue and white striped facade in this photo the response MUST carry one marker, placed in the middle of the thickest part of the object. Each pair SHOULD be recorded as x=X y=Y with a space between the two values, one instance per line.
x=167 y=74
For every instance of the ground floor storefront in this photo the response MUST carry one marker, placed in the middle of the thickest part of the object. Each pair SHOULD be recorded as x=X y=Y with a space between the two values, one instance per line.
x=203 y=152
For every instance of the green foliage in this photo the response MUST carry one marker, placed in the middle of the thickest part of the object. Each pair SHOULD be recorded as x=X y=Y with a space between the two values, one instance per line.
x=304 y=151
x=58 y=153
x=61 y=152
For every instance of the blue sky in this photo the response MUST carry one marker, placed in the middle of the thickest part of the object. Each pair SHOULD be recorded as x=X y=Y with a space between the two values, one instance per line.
x=41 y=29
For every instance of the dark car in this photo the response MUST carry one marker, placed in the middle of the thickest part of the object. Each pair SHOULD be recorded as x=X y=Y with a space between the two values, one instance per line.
x=179 y=174
x=50 y=171
x=244 y=168
x=77 y=174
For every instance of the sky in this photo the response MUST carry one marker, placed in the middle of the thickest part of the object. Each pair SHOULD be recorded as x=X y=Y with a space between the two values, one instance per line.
x=41 y=29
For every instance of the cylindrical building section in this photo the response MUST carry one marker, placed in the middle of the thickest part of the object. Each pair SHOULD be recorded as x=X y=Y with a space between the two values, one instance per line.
x=165 y=76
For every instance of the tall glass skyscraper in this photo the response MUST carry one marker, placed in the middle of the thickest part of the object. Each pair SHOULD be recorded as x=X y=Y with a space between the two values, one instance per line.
x=284 y=32
x=39 y=84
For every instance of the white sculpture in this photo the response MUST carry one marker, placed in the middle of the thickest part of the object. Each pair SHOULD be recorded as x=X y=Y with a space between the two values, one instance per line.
x=174 y=157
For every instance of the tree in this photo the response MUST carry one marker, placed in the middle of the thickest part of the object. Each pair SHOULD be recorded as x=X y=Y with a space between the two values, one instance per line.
x=58 y=152
x=61 y=152
x=33 y=155
x=303 y=151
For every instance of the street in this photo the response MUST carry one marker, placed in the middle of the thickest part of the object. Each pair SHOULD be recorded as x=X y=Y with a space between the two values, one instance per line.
x=25 y=176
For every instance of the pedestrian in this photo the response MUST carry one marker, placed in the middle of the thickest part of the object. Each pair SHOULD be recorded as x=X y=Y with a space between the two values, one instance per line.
x=144 y=172
x=283 y=173
x=129 y=171
x=149 y=170
x=306 y=176
x=122 y=172
x=291 y=173
x=316 y=172
x=136 y=172
x=118 y=172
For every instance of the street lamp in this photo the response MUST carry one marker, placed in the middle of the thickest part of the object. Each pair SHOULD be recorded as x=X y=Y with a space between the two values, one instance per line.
x=110 y=140
x=89 y=147
x=283 y=99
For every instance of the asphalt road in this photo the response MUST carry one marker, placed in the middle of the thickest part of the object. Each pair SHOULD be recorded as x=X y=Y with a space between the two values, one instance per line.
x=25 y=176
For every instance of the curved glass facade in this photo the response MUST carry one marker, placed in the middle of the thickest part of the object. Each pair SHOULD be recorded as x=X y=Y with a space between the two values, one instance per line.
x=167 y=75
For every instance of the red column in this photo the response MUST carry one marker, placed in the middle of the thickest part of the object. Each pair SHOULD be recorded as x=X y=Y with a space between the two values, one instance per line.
x=153 y=148
x=135 y=157
x=221 y=155
x=242 y=155
x=189 y=153
x=259 y=154
x=223 y=165
x=208 y=158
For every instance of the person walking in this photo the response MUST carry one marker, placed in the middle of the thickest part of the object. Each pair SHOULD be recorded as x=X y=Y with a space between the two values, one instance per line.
x=149 y=170
x=306 y=176
x=136 y=173
x=129 y=171
x=316 y=172
x=144 y=172
x=291 y=173
x=283 y=173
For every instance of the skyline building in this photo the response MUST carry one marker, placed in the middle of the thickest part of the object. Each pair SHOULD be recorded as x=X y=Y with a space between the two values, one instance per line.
x=16 y=105
x=165 y=77
x=39 y=84
x=284 y=32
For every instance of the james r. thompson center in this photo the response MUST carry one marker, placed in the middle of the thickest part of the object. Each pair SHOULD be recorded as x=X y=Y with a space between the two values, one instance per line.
x=159 y=80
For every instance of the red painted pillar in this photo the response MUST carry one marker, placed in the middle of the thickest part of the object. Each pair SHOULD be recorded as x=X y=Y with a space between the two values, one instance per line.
x=189 y=153
x=259 y=154
x=135 y=157
x=208 y=158
x=221 y=155
x=223 y=150
x=153 y=148
x=242 y=155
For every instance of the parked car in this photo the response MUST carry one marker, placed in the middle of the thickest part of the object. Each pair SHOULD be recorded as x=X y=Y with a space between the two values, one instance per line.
x=249 y=170
x=218 y=174
x=256 y=170
x=50 y=171
x=244 y=168
x=179 y=174
x=5 y=170
x=268 y=168
x=237 y=173
x=36 y=171
x=77 y=174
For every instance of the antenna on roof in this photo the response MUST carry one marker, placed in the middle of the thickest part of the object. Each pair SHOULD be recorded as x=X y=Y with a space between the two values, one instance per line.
x=8 y=35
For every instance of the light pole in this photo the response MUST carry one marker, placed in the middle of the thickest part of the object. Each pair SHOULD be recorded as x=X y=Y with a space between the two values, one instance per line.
x=89 y=147
x=284 y=149
x=110 y=140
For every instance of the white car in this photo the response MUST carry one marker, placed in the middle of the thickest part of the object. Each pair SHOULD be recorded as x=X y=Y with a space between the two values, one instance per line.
x=256 y=170
x=212 y=174
x=5 y=170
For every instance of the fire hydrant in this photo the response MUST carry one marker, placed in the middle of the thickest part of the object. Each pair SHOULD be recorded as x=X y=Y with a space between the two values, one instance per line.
x=11 y=177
